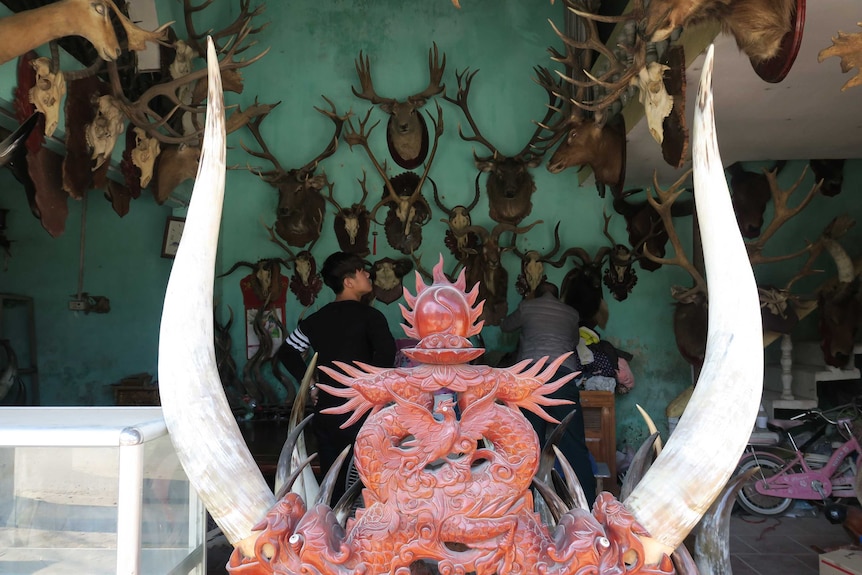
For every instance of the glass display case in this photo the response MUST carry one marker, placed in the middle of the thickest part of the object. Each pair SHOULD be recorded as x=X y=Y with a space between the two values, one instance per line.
x=95 y=490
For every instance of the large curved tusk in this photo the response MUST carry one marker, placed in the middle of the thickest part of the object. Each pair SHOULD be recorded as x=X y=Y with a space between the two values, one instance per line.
x=202 y=427
x=705 y=447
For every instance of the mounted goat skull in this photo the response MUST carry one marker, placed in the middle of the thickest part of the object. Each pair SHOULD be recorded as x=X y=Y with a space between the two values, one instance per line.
x=103 y=131
x=406 y=131
x=408 y=208
x=305 y=283
x=352 y=224
x=266 y=278
x=510 y=184
x=457 y=219
x=301 y=205
x=533 y=268
x=47 y=94
x=24 y=31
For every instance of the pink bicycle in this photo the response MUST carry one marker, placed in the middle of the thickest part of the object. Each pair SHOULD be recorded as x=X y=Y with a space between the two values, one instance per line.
x=799 y=471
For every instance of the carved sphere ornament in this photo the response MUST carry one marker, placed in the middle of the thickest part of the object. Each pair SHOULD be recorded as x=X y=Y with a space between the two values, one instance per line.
x=433 y=492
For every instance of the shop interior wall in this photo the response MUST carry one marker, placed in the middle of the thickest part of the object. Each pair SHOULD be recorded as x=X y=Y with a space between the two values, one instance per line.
x=312 y=51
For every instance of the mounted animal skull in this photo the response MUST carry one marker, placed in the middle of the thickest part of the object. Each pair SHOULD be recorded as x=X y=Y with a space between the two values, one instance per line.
x=352 y=224
x=48 y=92
x=387 y=275
x=839 y=304
x=305 y=283
x=408 y=208
x=666 y=504
x=654 y=98
x=406 y=132
x=533 y=268
x=301 y=205
x=144 y=155
x=266 y=277
x=458 y=218
x=510 y=184
x=103 y=131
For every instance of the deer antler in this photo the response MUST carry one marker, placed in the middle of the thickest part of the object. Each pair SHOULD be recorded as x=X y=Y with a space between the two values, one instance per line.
x=465 y=79
x=662 y=206
x=195 y=40
x=781 y=215
x=618 y=76
x=435 y=71
x=141 y=114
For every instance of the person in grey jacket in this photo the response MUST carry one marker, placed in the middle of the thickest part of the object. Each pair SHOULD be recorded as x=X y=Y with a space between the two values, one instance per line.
x=550 y=328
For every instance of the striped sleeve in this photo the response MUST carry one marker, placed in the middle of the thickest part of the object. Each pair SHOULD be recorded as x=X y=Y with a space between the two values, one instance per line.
x=297 y=340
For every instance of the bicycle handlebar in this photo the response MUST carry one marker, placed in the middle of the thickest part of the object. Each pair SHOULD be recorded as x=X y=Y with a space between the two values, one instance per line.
x=821 y=413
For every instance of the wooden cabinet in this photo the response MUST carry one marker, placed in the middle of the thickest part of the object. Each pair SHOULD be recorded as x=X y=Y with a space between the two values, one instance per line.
x=601 y=432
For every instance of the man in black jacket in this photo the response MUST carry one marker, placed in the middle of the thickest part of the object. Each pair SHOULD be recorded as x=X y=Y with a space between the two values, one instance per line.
x=344 y=330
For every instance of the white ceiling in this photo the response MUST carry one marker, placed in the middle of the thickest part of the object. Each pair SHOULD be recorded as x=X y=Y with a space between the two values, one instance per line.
x=806 y=116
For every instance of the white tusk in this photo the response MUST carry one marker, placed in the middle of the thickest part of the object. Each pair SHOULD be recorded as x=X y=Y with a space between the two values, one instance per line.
x=199 y=419
x=713 y=431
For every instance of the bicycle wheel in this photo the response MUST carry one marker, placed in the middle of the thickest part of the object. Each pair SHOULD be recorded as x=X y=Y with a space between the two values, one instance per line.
x=748 y=497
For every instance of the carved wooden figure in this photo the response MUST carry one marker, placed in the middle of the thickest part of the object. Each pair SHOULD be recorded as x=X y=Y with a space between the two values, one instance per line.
x=441 y=488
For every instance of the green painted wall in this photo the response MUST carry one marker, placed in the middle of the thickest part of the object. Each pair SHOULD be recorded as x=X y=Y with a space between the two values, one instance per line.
x=312 y=50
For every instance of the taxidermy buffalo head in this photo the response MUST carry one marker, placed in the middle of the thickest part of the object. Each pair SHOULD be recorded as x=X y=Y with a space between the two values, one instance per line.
x=352 y=224
x=581 y=288
x=301 y=206
x=831 y=173
x=386 y=275
x=406 y=131
x=533 y=267
x=751 y=194
x=484 y=267
x=408 y=208
x=510 y=184
x=459 y=218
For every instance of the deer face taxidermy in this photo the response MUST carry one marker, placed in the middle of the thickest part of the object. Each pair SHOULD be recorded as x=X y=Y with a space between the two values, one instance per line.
x=102 y=133
x=48 y=92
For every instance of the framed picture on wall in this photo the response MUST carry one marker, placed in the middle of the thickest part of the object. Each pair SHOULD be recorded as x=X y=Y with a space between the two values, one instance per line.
x=173 y=233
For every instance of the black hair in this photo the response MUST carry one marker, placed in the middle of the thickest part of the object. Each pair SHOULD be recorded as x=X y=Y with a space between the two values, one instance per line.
x=338 y=266
x=547 y=287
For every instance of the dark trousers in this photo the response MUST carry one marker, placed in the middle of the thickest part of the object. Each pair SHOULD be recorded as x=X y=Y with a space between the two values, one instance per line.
x=331 y=441
x=573 y=444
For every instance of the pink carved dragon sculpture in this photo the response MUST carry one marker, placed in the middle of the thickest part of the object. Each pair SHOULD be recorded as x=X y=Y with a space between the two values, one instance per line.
x=446 y=487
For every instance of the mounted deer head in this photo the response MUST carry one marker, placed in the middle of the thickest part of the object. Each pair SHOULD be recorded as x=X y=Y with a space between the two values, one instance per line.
x=457 y=219
x=301 y=205
x=352 y=224
x=24 y=31
x=510 y=184
x=533 y=268
x=408 y=208
x=406 y=132
x=484 y=267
